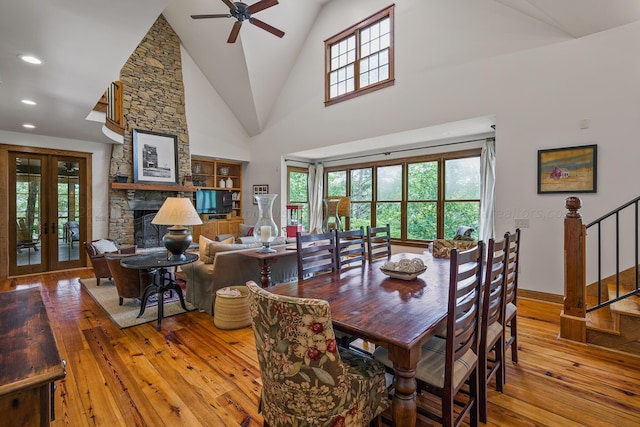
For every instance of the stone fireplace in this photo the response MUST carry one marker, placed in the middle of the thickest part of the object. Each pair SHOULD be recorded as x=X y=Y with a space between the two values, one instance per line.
x=153 y=100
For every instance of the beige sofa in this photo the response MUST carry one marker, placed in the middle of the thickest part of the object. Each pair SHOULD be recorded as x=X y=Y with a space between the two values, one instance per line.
x=230 y=268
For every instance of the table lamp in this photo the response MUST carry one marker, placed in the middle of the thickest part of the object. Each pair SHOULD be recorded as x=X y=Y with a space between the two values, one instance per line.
x=177 y=212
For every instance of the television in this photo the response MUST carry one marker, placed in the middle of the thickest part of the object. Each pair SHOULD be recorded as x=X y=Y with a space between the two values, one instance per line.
x=213 y=201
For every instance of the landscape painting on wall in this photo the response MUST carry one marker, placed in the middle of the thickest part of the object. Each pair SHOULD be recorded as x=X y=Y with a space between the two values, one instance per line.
x=567 y=170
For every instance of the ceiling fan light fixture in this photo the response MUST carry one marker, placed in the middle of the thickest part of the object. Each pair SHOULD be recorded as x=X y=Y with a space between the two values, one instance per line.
x=243 y=12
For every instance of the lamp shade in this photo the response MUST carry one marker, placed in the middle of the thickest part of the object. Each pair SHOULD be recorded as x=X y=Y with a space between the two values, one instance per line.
x=177 y=211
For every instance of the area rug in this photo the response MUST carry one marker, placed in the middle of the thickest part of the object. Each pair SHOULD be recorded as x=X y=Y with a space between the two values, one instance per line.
x=125 y=315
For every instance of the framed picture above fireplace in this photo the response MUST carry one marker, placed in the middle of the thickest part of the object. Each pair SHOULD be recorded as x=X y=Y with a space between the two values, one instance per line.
x=155 y=158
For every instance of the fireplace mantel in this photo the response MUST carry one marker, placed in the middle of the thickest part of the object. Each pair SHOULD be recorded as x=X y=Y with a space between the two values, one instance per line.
x=152 y=187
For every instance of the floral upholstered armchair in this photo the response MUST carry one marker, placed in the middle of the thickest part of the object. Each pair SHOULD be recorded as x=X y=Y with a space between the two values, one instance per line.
x=306 y=380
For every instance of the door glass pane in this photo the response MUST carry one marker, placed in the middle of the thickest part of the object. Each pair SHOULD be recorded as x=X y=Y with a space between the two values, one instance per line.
x=68 y=229
x=28 y=215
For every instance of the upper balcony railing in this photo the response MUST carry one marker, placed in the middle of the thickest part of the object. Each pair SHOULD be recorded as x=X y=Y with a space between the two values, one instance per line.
x=115 y=108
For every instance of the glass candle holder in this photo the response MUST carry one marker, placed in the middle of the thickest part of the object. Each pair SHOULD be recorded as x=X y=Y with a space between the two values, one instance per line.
x=265 y=229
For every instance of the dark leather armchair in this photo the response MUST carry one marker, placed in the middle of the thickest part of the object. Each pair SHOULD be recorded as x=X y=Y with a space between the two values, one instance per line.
x=99 y=264
x=130 y=283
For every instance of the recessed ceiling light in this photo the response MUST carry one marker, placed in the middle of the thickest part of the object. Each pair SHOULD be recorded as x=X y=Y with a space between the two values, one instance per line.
x=30 y=59
x=28 y=102
x=28 y=126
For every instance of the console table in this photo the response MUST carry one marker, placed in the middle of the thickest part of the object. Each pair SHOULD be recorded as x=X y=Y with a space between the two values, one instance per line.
x=160 y=261
x=266 y=259
x=30 y=362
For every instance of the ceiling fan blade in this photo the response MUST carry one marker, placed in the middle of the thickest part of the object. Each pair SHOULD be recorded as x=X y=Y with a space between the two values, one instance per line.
x=261 y=5
x=216 y=15
x=229 y=3
x=273 y=30
x=234 y=32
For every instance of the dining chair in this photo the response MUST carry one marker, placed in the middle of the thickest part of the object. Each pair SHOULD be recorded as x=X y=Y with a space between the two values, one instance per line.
x=306 y=379
x=491 y=350
x=378 y=243
x=317 y=254
x=511 y=297
x=447 y=364
x=350 y=249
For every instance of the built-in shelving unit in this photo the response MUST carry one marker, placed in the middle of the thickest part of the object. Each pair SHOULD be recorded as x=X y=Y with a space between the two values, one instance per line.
x=212 y=174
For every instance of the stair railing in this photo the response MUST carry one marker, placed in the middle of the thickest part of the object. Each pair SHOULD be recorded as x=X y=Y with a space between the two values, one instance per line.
x=615 y=215
x=573 y=317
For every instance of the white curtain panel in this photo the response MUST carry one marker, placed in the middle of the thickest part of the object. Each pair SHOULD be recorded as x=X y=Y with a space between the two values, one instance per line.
x=487 y=190
x=316 y=178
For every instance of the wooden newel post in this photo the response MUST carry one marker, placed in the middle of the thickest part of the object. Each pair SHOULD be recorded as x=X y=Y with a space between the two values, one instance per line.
x=573 y=324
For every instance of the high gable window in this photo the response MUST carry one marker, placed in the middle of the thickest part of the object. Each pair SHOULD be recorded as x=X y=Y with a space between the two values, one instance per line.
x=359 y=60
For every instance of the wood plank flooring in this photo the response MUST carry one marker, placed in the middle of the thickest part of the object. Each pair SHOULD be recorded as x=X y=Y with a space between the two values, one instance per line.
x=193 y=374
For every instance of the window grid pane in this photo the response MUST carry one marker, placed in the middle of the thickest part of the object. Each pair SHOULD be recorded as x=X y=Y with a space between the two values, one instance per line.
x=360 y=214
x=361 y=185
x=389 y=182
x=460 y=213
x=389 y=213
x=343 y=53
x=337 y=183
x=462 y=179
x=422 y=221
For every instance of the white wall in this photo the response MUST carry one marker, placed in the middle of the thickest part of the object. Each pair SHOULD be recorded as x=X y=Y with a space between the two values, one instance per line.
x=463 y=61
x=213 y=130
x=99 y=165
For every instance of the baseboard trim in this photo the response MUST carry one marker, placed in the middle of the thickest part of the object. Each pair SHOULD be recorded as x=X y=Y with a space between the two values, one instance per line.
x=542 y=296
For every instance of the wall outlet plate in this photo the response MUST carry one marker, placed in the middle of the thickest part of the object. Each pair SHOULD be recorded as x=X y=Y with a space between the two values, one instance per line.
x=521 y=222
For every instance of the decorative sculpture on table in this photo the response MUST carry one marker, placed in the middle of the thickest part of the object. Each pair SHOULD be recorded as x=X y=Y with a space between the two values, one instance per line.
x=265 y=229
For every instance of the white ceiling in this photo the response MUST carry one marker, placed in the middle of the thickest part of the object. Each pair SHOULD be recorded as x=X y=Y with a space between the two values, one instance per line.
x=84 y=43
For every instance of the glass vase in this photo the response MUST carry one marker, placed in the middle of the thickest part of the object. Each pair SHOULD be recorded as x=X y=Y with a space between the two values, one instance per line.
x=265 y=229
x=331 y=218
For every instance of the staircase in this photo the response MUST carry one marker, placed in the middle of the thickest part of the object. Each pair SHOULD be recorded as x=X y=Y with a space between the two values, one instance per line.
x=615 y=326
x=607 y=312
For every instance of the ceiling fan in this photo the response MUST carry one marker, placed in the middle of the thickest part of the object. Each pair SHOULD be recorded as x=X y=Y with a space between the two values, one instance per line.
x=242 y=12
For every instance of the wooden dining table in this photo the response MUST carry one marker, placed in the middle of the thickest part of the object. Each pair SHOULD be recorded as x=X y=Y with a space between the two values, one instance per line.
x=400 y=315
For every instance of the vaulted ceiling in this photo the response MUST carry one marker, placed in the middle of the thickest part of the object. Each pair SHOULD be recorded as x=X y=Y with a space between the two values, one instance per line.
x=85 y=43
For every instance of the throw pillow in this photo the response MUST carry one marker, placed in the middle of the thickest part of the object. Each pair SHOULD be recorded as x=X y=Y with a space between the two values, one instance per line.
x=203 y=249
x=228 y=240
x=245 y=230
x=215 y=247
x=103 y=246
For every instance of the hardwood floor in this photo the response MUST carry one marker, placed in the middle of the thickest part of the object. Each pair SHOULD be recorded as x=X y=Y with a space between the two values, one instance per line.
x=193 y=374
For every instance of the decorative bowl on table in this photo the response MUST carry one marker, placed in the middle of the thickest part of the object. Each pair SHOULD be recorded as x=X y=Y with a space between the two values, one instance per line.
x=405 y=269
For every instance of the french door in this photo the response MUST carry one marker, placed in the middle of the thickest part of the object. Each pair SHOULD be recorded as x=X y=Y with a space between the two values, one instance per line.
x=47 y=205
